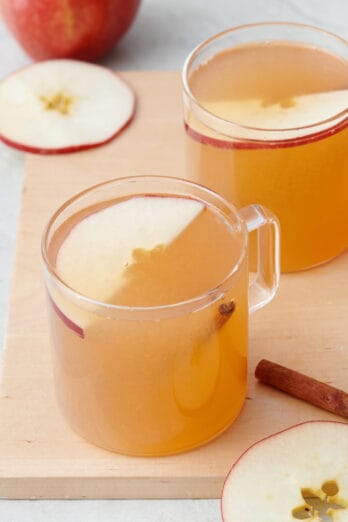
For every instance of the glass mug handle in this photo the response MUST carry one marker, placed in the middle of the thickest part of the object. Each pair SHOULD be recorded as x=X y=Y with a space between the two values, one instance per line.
x=263 y=287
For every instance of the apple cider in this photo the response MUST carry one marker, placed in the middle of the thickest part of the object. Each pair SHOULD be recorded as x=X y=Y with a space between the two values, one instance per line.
x=272 y=140
x=149 y=322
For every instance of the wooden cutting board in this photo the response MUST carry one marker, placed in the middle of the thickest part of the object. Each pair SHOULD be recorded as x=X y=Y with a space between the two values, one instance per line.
x=305 y=327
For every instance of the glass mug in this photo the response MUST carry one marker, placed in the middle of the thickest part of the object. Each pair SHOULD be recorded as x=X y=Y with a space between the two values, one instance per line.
x=154 y=375
x=266 y=114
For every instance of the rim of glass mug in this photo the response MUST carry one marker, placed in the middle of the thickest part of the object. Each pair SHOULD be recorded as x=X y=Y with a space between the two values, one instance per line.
x=290 y=31
x=230 y=213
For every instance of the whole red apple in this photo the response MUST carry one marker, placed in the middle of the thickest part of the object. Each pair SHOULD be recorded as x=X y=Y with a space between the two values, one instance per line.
x=81 y=29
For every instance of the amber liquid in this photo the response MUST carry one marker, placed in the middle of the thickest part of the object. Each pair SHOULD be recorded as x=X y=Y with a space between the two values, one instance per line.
x=304 y=182
x=156 y=385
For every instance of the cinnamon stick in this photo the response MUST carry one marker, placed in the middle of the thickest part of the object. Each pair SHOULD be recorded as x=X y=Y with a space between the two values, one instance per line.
x=224 y=313
x=303 y=387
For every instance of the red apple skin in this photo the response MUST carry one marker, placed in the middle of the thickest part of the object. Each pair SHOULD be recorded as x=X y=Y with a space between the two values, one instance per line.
x=254 y=144
x=81 y=29
x=68 y=322
x=64 y=150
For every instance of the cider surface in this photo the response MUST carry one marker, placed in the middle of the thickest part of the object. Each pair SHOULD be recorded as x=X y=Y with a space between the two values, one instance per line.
x=270 y=71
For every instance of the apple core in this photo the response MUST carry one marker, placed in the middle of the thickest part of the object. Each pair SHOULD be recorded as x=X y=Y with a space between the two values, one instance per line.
x=59 y=102
x=323 y=503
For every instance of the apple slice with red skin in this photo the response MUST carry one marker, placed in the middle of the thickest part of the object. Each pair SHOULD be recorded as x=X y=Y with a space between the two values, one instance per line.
x=280 y=478
x=80 y=29
x=296 y=121
x=62 y=106
x=205 y=139
x=94 y=256
x=68 y=322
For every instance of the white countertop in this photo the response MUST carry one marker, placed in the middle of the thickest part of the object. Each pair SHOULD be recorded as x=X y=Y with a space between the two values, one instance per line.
x=161 y=37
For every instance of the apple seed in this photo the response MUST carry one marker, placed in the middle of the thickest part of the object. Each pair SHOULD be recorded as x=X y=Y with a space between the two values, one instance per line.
x=316 y=506
x=59 y=102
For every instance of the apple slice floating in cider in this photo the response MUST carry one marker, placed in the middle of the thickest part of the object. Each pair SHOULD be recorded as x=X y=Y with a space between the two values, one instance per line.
x=258 y=119
x=289 y=113
x=95 y=255
x=298 y=474
x=63 y=106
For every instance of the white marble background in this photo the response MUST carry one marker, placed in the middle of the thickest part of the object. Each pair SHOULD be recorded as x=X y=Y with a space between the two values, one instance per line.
x=161 y=37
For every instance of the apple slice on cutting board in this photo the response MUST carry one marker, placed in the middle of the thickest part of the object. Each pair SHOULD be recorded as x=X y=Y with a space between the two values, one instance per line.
x=63 y=106
x=298 y=474
x=94 y=257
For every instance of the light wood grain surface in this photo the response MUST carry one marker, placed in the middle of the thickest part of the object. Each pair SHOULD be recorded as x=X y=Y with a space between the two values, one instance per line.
x=305 y=328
